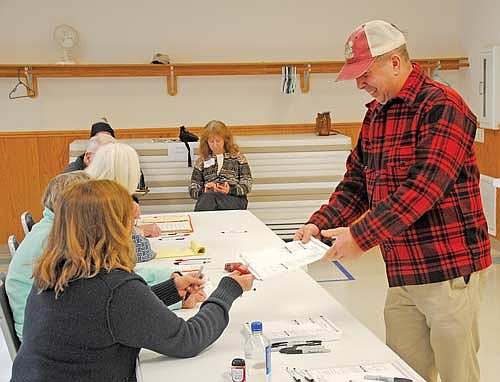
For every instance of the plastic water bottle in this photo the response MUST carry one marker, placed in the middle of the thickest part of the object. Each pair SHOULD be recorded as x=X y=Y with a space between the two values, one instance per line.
x=258 y=355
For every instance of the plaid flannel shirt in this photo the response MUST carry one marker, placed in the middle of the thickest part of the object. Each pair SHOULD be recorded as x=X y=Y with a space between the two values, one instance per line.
x=414 y=172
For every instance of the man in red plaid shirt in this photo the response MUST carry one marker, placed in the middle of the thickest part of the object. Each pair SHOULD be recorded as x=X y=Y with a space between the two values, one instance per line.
x=412 y=187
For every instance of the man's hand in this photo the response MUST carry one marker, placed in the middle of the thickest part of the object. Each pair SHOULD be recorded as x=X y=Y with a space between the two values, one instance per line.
x=305 y=233
x=344 y=248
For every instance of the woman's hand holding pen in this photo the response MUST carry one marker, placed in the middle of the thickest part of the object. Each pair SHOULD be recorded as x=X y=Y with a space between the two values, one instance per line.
x=189 y=283
x=193 y=299
x=243 y=278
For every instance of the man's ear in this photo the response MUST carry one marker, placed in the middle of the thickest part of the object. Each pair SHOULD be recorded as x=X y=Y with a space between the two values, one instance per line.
x=86 y=158
x=396 y=64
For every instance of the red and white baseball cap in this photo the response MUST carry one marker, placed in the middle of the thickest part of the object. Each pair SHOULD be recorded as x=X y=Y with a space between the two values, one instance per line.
x=365 y=43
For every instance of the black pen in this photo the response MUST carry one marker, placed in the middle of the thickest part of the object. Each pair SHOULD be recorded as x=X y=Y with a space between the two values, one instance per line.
x=296 y=343
x=292 y=374
x=276 y=345
x=386 y=379
x=306 y=350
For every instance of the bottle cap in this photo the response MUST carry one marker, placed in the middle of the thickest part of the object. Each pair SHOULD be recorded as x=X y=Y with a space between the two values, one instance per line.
x=238 y=362
x=256 y=326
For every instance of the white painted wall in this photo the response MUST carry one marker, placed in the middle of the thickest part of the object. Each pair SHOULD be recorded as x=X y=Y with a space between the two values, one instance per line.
x=481 y=28
x=126 y=31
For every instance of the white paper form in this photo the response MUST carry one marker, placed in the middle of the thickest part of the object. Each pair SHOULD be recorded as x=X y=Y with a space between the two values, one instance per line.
x=299 y=330
x=356 y=373
x=294 y=254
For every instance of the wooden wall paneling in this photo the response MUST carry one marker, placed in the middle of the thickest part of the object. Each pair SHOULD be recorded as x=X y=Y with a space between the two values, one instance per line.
x=20 y=172
x=487 y=153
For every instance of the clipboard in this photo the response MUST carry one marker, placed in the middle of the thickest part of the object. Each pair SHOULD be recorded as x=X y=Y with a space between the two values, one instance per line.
x=170 y=224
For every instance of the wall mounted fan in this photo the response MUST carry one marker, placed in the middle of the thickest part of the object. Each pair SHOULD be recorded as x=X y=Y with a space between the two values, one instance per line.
x=66 y=38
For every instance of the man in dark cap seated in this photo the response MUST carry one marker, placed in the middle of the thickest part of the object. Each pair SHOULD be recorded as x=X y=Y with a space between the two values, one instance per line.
x=101 y=128
x=101 y=133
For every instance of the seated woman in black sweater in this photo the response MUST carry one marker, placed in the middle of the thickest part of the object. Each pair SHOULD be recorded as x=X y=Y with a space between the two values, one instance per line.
x=90 y=314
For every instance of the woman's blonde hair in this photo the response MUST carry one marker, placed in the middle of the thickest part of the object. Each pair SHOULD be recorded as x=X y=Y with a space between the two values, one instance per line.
x=216 y=128
x=91 y=232
x=118 y=162
x=59 y=184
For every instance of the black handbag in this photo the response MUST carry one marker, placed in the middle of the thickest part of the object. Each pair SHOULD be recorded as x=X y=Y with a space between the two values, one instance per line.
x=186 y=137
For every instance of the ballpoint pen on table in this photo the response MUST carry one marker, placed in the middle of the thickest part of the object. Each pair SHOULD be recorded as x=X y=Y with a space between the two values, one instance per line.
x=198 y=275
x=191 y=262
x=304 y=350
x=195 y=258
x=276 y=346
x=310 y=378
x=386 y=379
x=305 y=374
x=293 y=374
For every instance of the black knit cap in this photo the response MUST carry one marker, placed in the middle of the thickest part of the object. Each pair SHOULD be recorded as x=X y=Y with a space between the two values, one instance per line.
x=101 y=126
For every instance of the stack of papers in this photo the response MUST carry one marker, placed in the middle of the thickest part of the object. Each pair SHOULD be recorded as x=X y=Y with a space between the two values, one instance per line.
x=294 y=254
x=384 y=371
x=168 y=223
x=297 y=330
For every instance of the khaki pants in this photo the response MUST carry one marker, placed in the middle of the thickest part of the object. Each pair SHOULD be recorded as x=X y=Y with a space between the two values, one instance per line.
x=434 y=327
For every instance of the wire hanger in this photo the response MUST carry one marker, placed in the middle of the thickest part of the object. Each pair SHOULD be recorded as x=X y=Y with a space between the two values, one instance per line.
x=29 y=91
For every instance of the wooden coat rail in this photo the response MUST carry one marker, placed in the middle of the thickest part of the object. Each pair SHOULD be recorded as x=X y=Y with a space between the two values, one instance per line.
x=31 y=72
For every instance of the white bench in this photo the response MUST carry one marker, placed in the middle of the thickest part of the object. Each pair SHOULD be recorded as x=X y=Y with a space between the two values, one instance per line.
x=292 y=174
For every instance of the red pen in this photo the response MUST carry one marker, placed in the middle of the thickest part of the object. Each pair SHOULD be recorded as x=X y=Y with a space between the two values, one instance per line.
x=193 y=258
x=241 y=270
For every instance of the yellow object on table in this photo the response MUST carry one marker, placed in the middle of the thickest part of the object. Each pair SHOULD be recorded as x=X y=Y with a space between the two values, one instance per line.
x=194 y=249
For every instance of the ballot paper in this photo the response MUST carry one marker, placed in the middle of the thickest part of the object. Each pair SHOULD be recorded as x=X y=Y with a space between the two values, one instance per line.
x=268 y=262
x=298 y=329
x=170 y=223
x=357 y=373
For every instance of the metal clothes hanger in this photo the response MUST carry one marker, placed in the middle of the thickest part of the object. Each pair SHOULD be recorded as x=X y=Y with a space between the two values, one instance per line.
x=29 y=91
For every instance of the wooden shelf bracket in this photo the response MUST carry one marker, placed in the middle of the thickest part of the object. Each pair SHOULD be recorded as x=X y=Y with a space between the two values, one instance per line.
x=172 y=82
x=305 y=79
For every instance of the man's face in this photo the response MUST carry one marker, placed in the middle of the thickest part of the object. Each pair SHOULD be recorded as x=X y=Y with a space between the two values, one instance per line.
x=379 y=81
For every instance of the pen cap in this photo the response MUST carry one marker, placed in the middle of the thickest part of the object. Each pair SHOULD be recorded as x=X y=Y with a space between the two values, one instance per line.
x=238 y=362
x=256 y=326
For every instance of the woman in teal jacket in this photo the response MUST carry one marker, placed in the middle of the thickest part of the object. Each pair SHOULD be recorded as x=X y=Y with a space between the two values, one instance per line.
x=19 y=278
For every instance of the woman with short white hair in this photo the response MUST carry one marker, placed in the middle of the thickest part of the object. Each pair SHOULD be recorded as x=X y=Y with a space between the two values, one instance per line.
x=118 y=162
